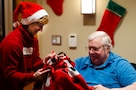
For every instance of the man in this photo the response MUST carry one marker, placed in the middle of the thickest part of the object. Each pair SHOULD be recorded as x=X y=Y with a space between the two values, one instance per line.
x=19 y=53
x=103 y=69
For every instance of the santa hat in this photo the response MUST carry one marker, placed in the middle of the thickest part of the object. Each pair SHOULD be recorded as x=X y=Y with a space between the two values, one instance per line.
x=30 y=13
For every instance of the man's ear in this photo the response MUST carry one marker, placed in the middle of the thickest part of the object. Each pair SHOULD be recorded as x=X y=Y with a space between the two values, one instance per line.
x=107 y=47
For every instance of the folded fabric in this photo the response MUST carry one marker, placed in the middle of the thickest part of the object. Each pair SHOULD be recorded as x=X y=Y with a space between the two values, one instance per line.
x=62 y=76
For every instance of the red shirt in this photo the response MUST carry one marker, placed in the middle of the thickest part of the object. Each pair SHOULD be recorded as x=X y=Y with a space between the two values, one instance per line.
x=19 y=56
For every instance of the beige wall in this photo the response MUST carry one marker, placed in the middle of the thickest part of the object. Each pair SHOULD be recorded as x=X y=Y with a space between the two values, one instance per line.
x=71 y=21
x=8 y=15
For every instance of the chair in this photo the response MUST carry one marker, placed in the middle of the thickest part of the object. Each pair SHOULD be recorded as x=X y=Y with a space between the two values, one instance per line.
x=134 y=65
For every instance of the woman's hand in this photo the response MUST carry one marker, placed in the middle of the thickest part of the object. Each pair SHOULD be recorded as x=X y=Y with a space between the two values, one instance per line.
x=50 y=56
x=40 y=74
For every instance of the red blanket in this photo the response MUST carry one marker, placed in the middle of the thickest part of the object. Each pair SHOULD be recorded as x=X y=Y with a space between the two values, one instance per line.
x=62 y=76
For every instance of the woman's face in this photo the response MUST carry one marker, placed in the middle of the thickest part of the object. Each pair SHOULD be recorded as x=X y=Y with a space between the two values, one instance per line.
x=34 y=28
x=97 y=51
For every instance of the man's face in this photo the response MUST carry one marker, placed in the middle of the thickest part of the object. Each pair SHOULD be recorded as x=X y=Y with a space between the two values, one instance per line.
x=97 y=51
x=34 y=28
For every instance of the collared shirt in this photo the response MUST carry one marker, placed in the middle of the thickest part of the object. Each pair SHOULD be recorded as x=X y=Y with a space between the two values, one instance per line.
x=116 y=72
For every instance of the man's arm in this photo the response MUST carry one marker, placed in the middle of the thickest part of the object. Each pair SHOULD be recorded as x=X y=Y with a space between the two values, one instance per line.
x=129 y=87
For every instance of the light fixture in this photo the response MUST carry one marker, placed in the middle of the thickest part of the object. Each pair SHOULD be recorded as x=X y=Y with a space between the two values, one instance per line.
x=88 y=6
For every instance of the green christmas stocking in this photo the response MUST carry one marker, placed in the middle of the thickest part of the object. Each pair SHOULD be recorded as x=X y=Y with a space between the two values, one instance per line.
x=111 y=19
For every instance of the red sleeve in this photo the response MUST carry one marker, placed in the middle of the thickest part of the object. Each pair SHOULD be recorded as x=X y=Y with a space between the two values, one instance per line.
x=11 y=56
x=38 y=63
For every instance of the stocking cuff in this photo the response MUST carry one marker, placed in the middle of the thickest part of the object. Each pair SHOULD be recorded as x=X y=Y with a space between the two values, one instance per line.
x=116 y=8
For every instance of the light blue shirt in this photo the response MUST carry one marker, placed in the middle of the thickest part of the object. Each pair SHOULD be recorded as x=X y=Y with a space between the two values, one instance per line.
x=116 y=72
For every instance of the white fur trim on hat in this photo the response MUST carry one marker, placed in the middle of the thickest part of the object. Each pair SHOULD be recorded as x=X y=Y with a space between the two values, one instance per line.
x=34 y=17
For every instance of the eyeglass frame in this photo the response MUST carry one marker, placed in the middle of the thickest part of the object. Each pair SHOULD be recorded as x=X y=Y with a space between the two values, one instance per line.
x=94 y=49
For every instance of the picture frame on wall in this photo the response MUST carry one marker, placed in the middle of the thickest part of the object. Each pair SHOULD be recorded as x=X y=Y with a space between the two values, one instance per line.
x=56 y=39
x=2 y=25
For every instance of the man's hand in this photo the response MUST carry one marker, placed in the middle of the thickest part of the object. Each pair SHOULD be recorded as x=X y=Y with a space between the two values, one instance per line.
x=100 y=87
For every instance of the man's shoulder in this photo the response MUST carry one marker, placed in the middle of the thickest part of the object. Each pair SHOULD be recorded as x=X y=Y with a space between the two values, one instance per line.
x=83 y=58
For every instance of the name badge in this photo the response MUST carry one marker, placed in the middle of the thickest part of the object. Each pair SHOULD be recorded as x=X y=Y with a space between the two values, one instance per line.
x=27 y=51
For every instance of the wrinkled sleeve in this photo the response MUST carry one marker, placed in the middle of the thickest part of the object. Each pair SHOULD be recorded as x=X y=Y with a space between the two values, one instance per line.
x=11 y=55
x=38 y=62
x=126 y=73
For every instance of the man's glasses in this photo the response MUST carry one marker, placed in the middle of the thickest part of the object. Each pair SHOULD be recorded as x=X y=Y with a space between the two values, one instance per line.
x=94 y=48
